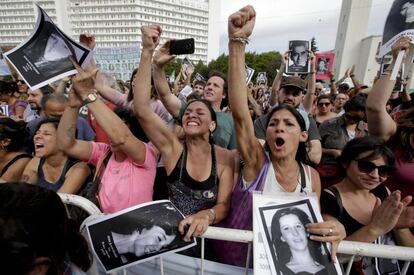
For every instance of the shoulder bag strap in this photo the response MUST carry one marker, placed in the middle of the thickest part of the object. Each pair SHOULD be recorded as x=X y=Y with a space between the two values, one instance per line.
x=335 y=191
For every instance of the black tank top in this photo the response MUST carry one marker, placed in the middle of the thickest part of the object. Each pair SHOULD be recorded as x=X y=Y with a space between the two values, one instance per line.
x=12 y=161
x=189 y=195
x=55 y=185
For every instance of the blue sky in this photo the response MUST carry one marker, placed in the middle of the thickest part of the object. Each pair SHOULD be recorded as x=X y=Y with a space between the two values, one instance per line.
x=279 y=21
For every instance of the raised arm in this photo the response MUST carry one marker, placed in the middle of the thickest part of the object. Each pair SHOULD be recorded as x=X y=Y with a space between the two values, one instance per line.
x=380 y=122
x=346 y=75
x=109 y=93
x=170 y=101
x=165 y=140
x=310 y=96
x=119 y=134
x=278 y=79
x=240 y=26
x=66 y=133
x=332 y=85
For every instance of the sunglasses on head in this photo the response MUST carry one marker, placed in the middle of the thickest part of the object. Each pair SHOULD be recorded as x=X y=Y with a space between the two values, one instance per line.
x=367 y=167
x=321 y=104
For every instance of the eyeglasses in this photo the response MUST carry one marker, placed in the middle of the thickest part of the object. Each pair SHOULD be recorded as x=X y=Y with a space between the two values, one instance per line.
x=367 y=167
x=21 y=82
x=321 y=104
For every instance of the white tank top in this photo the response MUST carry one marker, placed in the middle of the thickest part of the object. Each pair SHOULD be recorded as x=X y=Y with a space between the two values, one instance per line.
x=272 y=186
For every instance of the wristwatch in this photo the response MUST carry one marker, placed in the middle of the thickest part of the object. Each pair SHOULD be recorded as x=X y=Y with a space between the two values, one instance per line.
x=91 y=97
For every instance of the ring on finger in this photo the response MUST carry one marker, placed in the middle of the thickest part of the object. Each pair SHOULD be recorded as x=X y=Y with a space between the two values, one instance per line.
x=330 y=231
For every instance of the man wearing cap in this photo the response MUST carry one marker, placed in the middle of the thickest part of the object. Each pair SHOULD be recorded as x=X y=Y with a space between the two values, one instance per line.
x=292 y=90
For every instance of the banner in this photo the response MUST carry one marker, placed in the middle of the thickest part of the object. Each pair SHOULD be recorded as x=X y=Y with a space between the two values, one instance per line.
x=324 y=65
x=119 y=62
x=136 y=234
x=43 y=57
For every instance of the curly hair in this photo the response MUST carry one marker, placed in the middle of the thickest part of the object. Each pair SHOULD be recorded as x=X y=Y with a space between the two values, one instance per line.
x=15 y=131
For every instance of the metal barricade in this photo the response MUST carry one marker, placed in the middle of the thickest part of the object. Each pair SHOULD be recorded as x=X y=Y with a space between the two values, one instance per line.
x=354 y=249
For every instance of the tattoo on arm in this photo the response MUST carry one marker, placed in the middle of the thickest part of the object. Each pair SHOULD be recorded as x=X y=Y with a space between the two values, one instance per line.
x=71 y=131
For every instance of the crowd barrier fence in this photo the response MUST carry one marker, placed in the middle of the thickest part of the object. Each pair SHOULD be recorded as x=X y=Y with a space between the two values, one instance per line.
x=351 y=248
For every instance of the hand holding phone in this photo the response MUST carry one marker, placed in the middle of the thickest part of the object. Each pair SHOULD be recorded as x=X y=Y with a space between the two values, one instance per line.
x=183 y=46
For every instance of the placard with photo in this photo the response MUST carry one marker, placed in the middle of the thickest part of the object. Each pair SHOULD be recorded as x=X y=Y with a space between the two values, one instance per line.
x=261 y=78
x=324 y=65
x=298 y=60
x=249 y=74
x=398 y=86
x=43 y=57
x=136 y=234
x=281 y=222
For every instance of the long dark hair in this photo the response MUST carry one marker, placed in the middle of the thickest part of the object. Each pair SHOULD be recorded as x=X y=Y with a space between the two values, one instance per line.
x=283 y=247
x=15 y=131
x=34 y=223
x=302 y=152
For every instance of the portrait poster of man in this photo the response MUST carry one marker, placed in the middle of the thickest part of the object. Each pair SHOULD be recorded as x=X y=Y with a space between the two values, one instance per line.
x=282 y=224
x=261 y=78
x=44 y=56
x=249 y=73
x=324 y=65
x=298 y=61
x=399 y=22
x=4 y=67
x=136 y=234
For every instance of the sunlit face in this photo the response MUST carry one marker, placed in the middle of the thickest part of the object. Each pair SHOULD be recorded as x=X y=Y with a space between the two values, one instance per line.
x=365 y=180
x=284 y=134
x=151 y=240
x=299 y=55
x=197 y=120
x=290 y=95
x=293 y=232
x=214 y=89
x=34 y=98
x=45 y=140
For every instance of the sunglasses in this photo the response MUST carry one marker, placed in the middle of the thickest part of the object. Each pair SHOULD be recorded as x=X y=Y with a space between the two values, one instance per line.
x=20 y=82
x=367 y=167
x=321 y=104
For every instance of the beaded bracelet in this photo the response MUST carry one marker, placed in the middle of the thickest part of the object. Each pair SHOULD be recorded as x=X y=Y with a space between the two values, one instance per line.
x=240 y=40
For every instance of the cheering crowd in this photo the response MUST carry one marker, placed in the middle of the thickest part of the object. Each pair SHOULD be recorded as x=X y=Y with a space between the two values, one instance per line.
x=143 y=140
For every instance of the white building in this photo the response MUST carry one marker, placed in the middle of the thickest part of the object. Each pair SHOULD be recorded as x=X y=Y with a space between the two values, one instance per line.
x=117 y=22
x=352 y=28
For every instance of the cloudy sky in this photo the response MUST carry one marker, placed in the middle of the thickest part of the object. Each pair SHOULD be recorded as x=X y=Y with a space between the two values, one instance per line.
x=278 y=21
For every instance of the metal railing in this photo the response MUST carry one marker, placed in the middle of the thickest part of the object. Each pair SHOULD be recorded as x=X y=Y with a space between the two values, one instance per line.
x=354 y=249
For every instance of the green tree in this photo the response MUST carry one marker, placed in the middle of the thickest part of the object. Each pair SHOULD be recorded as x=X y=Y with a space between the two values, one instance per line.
x=314 y=47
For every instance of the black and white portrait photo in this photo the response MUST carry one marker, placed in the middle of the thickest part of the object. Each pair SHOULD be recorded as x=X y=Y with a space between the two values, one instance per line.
x=44 y=56
x=399 y=22
x=298 y=61
x=291 y=250
x=261 y=78
x=249 y=73
x=137 y=234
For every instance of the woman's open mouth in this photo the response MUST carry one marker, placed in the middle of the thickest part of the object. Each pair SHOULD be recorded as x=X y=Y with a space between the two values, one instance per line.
x=279 y=142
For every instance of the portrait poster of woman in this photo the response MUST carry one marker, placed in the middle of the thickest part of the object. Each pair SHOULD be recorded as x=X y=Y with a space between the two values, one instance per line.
x=136 y=234
x=288 y=247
